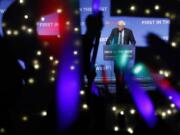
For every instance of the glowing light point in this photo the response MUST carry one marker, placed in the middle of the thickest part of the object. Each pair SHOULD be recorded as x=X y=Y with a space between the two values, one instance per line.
x=132 y=111
x=31 y=81
x=29 y=30
x=75 y=52
x=39 y=53
x=147 y=11
x=26 y=16
x=85 y=106
x=130 y=130
x=59 y=11
x=169 y=112
x=116 y=128
x=172 y=105
x=76 y=29
x=51 y=58
x=42 y=19
x=24 y=118
x=16 y=33
x=44 y=113
x=2 y=130
x=122 y=112
x=72 y=67
x=8 y=32
x=173 y=44
x=21 y=1
x=114 y=108
x=119 y=11
x=24 y=27
x=157 y=7
x=82 y=92
x=133 y=8
x=163 y=114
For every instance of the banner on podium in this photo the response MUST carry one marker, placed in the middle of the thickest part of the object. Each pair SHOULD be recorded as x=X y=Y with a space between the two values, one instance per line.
x=110 y=52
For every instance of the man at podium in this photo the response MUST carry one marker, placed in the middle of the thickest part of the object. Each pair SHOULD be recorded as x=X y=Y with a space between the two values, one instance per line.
x=120 y=36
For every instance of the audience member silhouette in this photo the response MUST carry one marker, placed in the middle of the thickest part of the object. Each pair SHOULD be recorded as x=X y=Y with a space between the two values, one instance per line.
x=90 y=41
x=19 y=42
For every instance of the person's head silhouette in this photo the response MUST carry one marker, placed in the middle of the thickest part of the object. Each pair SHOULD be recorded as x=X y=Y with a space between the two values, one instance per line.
x=20 y=29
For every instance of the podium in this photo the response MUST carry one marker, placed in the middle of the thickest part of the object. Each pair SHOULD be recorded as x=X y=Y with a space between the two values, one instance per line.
x=110 y=52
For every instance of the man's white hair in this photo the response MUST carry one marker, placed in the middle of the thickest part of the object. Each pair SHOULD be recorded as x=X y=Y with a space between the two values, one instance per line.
x=121 y=23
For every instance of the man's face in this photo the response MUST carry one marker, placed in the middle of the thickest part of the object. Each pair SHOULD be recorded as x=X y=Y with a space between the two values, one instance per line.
x=120 y=27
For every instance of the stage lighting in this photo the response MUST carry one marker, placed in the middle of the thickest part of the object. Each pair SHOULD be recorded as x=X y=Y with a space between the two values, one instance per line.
x=82 y=92
x=116 y=128
x=59 y=11
x=76 y=29
x=133 y=8
x=167 y=73
x=147 y=11
x=26 y=16
x=167 y=14
x=2 y=130
x=72 y=67
x=56 y=62
x=16 y=33
x=172 y=105
x=118 y=11
x=122 y=112
x=31 y=80
x=42 y=19
x=51 y=58
x=173 y=44
x=21 y=1
x=39 y=53
x=157 y=7
x=68 y=23
x=36 y=66
x=85 y=106
x=132 y=111
x=75 y=52
x=25 y=118
x=52 y=79
x=8 y=32
x=23 y=27
x=169 y=112
x=53 y=71
x=43 y=113
x=138 y=68
x=114 y=108
x=130 y=130
x=161 y=72
x=170 y=97
x=29 y=30
x=163 y=114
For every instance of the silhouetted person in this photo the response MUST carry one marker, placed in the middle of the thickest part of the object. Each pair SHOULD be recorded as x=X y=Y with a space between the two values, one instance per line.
x=159 y=53
x=90 y=40
x=10 y=86
x=20 y=42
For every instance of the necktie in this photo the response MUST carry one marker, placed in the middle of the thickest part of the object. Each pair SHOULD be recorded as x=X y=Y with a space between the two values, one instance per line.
x=120 y=38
